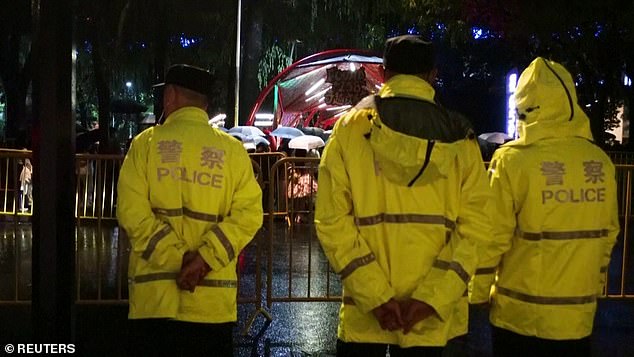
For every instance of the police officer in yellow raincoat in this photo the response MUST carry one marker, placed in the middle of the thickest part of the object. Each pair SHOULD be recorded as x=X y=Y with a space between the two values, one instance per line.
x=399 y=212
x=189 y=203
x=556 y=213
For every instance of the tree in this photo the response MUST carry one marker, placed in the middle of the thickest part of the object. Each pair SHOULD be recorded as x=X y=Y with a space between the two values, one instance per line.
x=480 y=41
x=594 y=40
x=15 y=67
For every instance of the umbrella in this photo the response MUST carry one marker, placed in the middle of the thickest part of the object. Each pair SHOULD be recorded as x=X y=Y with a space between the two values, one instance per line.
x=311 y=130
x=149 y=119
x=255 y=140
x=306 y=142
x=287 y=132
x=239 y=136
x=260 y=140
x=247 y=130
x=222 y=128
x=249 y=145
x=495 y=137
x=326 y=134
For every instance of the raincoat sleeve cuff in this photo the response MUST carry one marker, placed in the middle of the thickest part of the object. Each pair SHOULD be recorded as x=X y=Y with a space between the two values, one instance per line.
x=167 y=254
x=441 y=306
x=210 y=258
x=441 y=293
x=371 y=303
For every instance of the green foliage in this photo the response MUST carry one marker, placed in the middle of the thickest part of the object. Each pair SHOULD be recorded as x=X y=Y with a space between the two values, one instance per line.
x=272 y=62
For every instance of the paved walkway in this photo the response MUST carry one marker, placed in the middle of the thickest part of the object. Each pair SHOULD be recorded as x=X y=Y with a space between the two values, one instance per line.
x=297 y=329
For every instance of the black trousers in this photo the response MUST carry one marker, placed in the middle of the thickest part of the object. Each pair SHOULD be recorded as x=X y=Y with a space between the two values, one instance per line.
x=353 y=349
x=507 y=343
x=163 y=337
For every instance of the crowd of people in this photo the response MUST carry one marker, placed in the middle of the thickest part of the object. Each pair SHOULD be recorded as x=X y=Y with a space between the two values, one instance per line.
x=406 y=214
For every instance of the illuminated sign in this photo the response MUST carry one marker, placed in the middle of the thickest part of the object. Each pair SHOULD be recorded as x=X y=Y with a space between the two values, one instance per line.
x=511 y=117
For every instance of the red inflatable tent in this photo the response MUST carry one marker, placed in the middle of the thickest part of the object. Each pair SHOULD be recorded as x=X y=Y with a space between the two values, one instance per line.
x=316 y=90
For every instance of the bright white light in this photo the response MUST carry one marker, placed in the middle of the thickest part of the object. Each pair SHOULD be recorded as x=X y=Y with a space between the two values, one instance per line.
x=588 y=105
x=128 y=84
x=353 y=67
x=263 y=123
x=512 y=83
x=313 y=71
x=317 y=95
x=268 y=116
x=339 y=108
x=378 y=86
x=218 y=118
x=511 y=118
x=627 y=81
x=315 y=86
x=322 y=105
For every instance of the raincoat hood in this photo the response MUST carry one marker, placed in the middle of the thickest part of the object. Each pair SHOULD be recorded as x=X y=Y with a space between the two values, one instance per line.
x=408 y=160
x=546 y=102
x=411 y=136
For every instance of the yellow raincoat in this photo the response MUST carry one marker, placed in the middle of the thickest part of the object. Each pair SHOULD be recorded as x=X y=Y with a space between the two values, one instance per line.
x=185 y=186
x=392 y=232
x=555 y=210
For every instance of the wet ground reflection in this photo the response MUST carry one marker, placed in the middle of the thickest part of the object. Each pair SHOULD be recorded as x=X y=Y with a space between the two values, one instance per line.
x=299 y=269
x=296 y=329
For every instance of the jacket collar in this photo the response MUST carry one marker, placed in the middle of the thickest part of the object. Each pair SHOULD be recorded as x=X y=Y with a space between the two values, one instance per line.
x=188 y=114
x=406 y=85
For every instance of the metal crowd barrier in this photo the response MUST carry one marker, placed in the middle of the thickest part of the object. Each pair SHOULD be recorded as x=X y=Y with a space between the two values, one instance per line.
x=295 y=262
x=294 y=252
x=14 y=201
x=96 y=186
x=265 y=161
x=621 y=157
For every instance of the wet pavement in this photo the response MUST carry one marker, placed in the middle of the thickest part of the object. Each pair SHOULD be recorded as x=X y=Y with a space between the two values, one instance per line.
x=298 y=270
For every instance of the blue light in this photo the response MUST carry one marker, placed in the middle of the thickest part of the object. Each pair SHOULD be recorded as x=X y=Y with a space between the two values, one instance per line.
x=188 y=42
x=393 y=33
x=413 y=30
x=480 y=33
x=477 y=33
x=88 y=46
x=576 y=32
x=599 y=30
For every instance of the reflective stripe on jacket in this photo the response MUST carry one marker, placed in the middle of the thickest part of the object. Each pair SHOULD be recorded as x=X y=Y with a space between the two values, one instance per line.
x=185 y=186
x=556 y=212
x=394 y=240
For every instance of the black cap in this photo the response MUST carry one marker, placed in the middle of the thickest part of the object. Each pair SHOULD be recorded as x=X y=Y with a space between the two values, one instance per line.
x=190 y=77
x=408 y=54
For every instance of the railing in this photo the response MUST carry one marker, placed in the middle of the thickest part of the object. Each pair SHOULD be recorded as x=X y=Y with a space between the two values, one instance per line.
x=308 y=274
x=96 y=186
x=288 y=245
x=265 y=161
x=14 y=201
x=621 y=157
